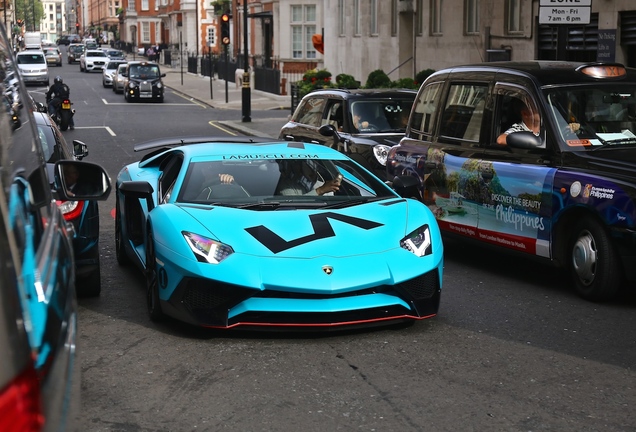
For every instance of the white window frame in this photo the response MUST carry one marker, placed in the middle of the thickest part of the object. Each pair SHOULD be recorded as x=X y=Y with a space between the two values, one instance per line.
x=303 y=27
x=145 y=32
x=144 y=5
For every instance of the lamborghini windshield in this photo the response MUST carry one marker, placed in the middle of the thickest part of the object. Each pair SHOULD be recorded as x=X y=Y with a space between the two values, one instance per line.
x=273 y=183
x=595 y=117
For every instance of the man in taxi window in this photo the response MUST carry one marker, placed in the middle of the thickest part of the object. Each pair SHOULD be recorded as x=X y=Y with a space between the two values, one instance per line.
x=530 y=121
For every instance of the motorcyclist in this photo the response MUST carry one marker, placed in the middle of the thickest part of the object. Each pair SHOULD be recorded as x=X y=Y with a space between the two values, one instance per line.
x=57 y=92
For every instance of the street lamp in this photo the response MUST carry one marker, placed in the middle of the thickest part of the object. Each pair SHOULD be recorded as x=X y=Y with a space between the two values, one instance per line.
x=245 y=92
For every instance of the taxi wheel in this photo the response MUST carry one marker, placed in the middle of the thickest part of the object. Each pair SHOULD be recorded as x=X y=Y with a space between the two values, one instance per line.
x=594 y=264
x=152 y=284
x=120 y=252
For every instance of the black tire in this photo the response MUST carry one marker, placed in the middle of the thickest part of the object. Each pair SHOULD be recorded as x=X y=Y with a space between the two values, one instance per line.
x=152 y=285
x=594 y=263
x=120 y=252
x=65 y=118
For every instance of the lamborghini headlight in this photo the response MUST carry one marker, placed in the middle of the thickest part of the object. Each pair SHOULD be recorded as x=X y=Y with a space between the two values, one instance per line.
x=381 y=152
x=418 y=242
x=207 y=250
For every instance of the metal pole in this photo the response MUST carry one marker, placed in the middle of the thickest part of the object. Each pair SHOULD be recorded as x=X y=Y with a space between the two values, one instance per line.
x=210 y=70
x=181 y=54
x=245 y=93
x=225 y=49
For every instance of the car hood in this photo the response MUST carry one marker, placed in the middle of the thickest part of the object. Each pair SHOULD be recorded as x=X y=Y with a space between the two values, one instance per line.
x=389 y=139
x=364 y=229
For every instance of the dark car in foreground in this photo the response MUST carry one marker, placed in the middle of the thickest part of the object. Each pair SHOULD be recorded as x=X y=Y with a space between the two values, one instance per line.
x=384 y=114
x=83 y=215
x=74 y=52
x=195 y=213
x=143 y=82
x=562 y=191
x=39 y=371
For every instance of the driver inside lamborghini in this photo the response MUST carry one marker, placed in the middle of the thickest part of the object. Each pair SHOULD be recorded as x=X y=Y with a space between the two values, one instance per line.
x=301 y=177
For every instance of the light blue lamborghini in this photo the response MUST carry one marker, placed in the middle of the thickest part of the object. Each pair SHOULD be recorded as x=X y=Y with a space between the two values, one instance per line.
x=243 y=232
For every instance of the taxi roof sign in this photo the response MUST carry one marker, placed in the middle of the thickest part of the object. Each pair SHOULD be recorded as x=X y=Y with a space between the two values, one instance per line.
x=613 y=70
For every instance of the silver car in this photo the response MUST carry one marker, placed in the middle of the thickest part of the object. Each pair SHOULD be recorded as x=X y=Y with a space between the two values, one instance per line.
x=33 y=67
x=109 y=72
x=119 y=80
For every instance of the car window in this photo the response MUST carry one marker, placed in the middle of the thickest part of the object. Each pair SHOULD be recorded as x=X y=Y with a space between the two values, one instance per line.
x=509 y=101
x=310 y=112
x=31 y=58
x=463 y=111
x=426 y=109
x=334 y=114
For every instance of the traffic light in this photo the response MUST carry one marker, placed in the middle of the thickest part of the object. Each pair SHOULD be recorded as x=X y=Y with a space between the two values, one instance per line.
x=77 y=26
x=225 y=29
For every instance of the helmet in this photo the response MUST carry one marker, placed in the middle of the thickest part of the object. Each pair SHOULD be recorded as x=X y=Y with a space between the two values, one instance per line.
x=58 y=79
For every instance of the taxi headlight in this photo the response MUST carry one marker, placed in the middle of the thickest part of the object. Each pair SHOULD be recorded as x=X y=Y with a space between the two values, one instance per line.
x=206 y=249
x=418 y=242
x=381 y=152
x=159 y=85
x=132 y=84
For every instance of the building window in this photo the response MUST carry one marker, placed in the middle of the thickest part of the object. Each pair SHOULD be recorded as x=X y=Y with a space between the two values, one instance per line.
x=211 y=39
x=356 y=17
x=513 y=16
x=419 y=17
x=303 y=27
x=341 y=17
x=471 y=20
x=374 y=17
x=436 y=17
x=144 y=4
x=145 y=32
x=394 y=17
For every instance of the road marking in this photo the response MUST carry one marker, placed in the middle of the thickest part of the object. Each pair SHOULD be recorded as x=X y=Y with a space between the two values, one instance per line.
x=108 y=129
x=186 y=97
x=213 y=124
x=155 y=104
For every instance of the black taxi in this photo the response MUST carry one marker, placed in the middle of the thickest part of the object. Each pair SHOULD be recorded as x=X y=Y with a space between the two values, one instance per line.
x=536 y=157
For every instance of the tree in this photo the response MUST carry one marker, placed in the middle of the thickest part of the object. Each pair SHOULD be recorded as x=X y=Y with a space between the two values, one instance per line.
x=24 y=9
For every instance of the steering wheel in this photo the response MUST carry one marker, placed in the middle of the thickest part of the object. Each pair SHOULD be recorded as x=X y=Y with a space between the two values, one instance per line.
x=218 y=190
x=370 y=128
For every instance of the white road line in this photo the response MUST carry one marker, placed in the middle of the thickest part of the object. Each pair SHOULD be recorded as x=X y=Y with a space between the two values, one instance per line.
x=108 y=129
x=153 y=104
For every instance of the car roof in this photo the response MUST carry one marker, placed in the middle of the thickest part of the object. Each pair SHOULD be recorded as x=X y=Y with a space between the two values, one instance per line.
x=365 y=93
x=543 y=72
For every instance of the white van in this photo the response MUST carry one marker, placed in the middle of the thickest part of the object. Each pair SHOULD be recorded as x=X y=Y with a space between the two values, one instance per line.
x=32 y=66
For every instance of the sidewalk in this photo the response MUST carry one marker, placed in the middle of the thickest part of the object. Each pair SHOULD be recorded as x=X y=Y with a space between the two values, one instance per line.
x=198 y=88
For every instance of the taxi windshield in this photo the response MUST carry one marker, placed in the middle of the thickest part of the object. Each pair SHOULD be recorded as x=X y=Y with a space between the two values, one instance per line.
x=589 y=118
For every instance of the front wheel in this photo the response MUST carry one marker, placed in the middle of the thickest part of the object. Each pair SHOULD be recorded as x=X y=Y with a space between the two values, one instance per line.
x=594 y=263
x=152 y=283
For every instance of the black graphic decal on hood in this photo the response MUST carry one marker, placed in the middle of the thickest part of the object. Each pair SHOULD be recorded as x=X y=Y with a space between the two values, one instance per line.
x=322 y=229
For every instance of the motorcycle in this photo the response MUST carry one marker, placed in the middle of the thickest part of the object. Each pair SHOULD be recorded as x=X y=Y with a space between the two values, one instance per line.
x=63 y=113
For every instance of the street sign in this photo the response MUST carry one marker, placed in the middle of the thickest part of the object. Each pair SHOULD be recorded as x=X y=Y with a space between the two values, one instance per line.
x=555 y=12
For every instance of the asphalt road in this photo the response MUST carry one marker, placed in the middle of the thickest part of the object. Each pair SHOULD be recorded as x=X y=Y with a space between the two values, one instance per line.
x=512 y=349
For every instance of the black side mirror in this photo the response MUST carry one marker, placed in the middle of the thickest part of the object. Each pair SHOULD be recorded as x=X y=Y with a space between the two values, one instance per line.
x=406 y=186
x=80 y=150
x=523 y=140
x=75 y=180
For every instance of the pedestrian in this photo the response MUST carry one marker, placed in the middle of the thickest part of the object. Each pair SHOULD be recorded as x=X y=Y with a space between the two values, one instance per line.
x=151 y=53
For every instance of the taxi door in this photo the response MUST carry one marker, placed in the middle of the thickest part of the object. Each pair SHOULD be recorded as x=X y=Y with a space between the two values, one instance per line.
x=515 y=204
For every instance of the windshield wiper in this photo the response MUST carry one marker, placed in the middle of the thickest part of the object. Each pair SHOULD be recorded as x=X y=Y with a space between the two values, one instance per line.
x=353 y=202
x=612 y=142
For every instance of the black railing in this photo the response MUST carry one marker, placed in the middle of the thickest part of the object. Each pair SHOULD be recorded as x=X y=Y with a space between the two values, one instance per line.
x=267 y=80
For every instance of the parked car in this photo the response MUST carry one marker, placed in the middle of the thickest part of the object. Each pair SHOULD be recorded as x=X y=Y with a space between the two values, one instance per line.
x=562 y=191
x=68 y=39
x=386 y=112
x=109 y=72
x=119 y=78
x=33 y=67
x=39 y=371
x=84 y=215
x=74 y=52
x=143 y=82
x=93 y=60
x=205 y=209
x=53 y=56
